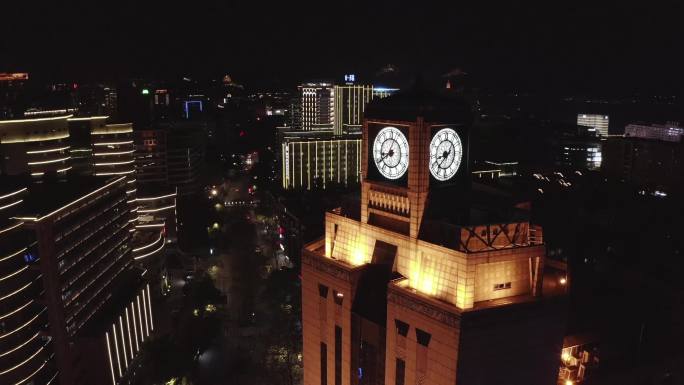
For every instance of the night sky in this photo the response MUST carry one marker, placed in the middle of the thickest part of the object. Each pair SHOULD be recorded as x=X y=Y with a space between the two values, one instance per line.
x=608 y=48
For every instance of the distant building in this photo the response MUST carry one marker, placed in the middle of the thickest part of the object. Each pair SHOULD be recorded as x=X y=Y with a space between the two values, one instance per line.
x=317 y=160
x=13 y=100
x=350 y=104
x=318 y=106
x=37 y=146
x=653 y=164
x=669 y=132
x=596 y=122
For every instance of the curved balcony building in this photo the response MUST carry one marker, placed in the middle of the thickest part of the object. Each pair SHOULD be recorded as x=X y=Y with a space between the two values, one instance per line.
x=25 y=349
x=113 y=150
x=35 y=146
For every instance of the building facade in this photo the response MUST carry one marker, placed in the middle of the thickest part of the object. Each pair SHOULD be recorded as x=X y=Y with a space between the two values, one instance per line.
x=37 y=146
x=82 y=234
x=320 y=160
x=597 y=122
x=318 y=106
x=669 y=132
x=26 y=349
x=431 y=280
x=350 y=104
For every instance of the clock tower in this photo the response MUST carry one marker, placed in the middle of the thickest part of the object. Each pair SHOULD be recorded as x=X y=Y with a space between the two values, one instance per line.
x=431 y=280
x=414 y=142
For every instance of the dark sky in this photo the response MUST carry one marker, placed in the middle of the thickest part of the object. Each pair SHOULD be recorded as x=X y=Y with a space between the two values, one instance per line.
x=557 y=46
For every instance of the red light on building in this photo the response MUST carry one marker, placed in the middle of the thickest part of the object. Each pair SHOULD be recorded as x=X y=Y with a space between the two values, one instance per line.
x=242 y=133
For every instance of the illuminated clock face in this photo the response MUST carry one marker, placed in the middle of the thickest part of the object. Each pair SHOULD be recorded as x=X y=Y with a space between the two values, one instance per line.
x=391 y=153
x=446 y=152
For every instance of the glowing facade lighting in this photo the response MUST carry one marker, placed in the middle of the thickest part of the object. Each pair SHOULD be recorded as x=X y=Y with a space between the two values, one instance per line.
x=20 y=346
x=23 y=362
x=114 y=163
x=20 y=308
x=36 y=120
x=49 y=161
x=150 y=245
x=64 y=169
x=142 y=333
x=156 y=210
x=16 y=291
x=11 y=204
x=155 y=198
x=114 y=173
x=14 y=193
x=11 y=227
x=149 y=300
x=48 y=150
x=112 y=143
x=116 y=348
x=135 y=327
x=13 y=274
x=13 y=255
x=123 y=342
x=128 y=327
x=113 y=153
x=111 y=364
x=147 y=325
x=88 y=118
x=27 y=323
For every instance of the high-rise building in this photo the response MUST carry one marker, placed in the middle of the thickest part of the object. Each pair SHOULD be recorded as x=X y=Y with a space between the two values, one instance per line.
x=596 y=122
x=26 y=349
x=650 y=163
x=318 y=106
x=350 y=104
x=316 y=160
x=82 y=230
x=431 y=280
x=37 y=146
x=669 y=132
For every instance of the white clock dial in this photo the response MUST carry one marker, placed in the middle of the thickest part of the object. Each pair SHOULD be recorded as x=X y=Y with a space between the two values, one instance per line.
x=391 y=153
x=446 y=153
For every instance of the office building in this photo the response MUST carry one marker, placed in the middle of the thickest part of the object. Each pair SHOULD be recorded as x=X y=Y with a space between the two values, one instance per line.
x=596 y=122
x=318 y=160
x=26 y=349
x=669 y=132
x=350 y=104
x=13 y=101
x=82 y=232
x=431 y=280
x=318 y=106
x=36 y=146
x=652 y=164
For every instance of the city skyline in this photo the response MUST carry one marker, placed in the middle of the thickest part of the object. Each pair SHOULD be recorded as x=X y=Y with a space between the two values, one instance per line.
x=604 y=48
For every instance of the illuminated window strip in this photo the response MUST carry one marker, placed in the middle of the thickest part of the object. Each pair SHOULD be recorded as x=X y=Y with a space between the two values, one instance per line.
x=23 y=362
x=130 y=340
x=20 y=308
x=49 y=161
x=103 y=117
x=21 y=346
x=114 y=173
x=48 y=150
x=64 y=169
x=113 y=153
x=16 y=291
x=150 y=253
x=34 y=139
x=37 y=173
x=131 y=191
x=116 y=348
x=135 y=327
x=153 y=225
x=13 y=274
x=155 y=210
x=22 y=326
x=107 y=131
x=112 y=143
x=149 y=245
x=131 y=181
x=14 y=193
x=114 y=163
x=52 y=379
x=11 y=227
x=11 y=204
x=36 y=120
x=149 y=300
x=159 y=197
x=142 y=333
x=35 y=372
x=123 y=341
x=109 y=354
x=147 y=326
